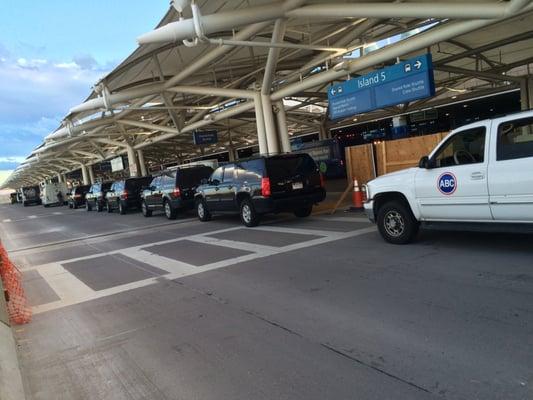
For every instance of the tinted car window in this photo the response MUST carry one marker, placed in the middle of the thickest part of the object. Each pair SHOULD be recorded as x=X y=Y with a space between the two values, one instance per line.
x=249 y=171
x=217 y=175
x=168 y=180
x=190 y=177
x=106 y=185
x=282 y=168
x=515 y=139
x=228 y=173
x=155 y=182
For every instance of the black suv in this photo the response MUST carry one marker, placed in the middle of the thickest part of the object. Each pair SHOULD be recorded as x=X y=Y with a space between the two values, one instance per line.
x=95 y=197
x=173 y=190
x=77 y=196
x=290 y=182
x=126 y=194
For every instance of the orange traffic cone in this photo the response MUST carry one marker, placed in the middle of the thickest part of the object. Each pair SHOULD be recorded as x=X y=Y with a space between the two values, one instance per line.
x=357 y=197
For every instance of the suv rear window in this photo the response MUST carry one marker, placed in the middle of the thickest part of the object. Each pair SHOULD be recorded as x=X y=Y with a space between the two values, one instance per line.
x=190 y=177
x=282 y=168
x=252 y=170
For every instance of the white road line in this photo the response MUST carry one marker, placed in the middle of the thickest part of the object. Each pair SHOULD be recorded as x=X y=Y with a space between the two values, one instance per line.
x=72 y=291
x=297 y=231
x=7 y=220
x=57 y=213
x=32 y=216
x=342 y=219
x=255 y=248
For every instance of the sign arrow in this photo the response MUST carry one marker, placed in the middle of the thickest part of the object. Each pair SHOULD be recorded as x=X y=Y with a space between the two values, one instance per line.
x=418 y=64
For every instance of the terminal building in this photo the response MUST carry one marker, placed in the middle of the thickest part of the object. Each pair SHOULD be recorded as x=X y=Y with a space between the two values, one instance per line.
x=231 y=79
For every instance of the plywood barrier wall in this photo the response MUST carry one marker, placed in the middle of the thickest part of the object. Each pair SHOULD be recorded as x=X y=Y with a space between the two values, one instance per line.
x=390 y=156
x=395 y=155
x=360 y=163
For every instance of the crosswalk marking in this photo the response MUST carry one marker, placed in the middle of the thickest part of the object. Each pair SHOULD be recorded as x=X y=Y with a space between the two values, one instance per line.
x=72 y=291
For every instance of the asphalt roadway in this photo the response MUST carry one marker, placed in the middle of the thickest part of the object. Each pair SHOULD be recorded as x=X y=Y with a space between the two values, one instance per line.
x=127 y=307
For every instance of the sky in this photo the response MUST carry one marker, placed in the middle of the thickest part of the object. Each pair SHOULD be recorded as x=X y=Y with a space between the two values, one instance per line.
x=51 y=54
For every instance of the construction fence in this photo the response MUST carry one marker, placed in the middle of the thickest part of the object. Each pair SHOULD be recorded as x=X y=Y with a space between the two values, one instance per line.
x=368 y=161
x=13 y=297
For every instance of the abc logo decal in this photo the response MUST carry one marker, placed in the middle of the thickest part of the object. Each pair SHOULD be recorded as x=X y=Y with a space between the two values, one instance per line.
x=447 y=183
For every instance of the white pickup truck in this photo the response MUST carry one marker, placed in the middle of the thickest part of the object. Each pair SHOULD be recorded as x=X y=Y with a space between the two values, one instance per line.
x=481 y=173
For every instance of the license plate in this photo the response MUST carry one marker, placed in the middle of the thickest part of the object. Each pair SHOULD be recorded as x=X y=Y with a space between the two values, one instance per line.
x=297 y=185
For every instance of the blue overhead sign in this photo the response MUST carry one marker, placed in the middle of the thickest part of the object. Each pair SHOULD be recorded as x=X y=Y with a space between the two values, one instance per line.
x=403 y=82
x=205 y=137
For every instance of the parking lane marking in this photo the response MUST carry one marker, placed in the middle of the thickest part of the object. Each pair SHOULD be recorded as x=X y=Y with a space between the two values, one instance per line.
x=32 y=216
x=78 y=292
x=7 y=220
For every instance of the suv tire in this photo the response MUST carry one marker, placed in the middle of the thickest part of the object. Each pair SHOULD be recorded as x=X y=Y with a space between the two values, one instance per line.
x=145 y=210
x=99 y=207
x=88 y=206
x=249 y=217
x=201 y=210
x=121 y=208
x=396 y=223
x=108 y=207
x=171 y=213
x=304 y=212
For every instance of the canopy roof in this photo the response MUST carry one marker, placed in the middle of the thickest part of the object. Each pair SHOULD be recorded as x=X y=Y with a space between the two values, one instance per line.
x=173 y=84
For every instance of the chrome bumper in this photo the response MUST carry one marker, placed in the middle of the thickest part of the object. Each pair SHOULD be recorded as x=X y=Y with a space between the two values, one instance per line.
x=369 y=210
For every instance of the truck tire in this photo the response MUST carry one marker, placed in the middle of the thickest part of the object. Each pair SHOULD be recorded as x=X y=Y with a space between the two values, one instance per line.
x=201 y=210
x=249 y=217
x=108 y=207
x=304 y=211
x=88 y=206
x=145 y=210
x=170 y=213
x=122 y=208
x=396 y=223
x=99 y=207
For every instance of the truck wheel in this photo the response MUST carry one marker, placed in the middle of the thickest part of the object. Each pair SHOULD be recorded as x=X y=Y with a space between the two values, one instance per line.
x=88 y=206
x=303 y=212
x=121 y=208
x=249 y=216
x=108 y=207
x=99 y=207
x=170 y=212
x=145 y=210
x=396 y=223
x=201 y=210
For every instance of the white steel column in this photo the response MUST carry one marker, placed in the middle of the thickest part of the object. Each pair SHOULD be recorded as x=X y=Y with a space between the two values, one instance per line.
x=283 y=132
x=91 y=173
x=270 y=125
x=84 y=175
x=142 y=164
x=260 y=122
x=132 y=161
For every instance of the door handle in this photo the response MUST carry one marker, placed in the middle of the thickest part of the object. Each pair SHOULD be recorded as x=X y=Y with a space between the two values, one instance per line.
x=477 y=176
x=216 y=189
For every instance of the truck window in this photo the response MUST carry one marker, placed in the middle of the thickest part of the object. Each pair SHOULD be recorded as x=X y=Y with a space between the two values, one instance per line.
x=515 y=139
x=466 y=147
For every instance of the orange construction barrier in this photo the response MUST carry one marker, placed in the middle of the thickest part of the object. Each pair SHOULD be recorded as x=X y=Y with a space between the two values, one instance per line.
x=18 y=308
x=357 y=196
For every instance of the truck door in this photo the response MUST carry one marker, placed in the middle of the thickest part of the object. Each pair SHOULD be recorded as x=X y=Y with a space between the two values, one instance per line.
x=511 y=171
x=454 y=187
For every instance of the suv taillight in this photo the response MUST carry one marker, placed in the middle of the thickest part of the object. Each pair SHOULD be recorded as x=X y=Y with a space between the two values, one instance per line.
x=322 y=181
x=176 y=192
x=124 y=195
x=265 y=187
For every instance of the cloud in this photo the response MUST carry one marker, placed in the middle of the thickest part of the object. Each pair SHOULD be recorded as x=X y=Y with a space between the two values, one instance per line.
x=36 y=94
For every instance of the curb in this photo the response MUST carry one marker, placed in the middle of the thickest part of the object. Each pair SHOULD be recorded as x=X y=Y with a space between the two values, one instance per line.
x=11 y=387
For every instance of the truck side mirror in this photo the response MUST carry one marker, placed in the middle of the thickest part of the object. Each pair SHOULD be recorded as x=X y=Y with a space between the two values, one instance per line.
x=424 y=163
